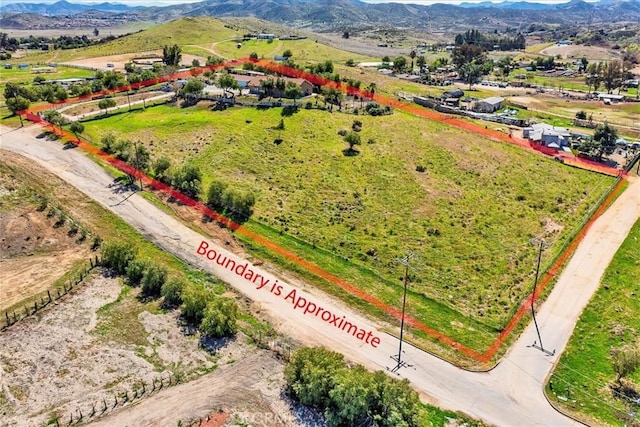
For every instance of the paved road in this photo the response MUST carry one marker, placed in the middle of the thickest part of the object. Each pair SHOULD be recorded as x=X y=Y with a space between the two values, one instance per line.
x=509 y=395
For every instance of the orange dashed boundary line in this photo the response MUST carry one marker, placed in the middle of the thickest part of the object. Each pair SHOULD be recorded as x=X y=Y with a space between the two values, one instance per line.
x=309 y=266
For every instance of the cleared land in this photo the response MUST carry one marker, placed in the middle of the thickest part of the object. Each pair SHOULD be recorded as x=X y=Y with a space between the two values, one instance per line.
x=36 y=249
x=584 y=380
x=470 y=216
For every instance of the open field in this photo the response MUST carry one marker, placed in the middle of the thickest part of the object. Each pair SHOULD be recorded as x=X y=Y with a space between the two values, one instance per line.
x=477 y=262
x=118 y=61
x=584 y=380
x=305 y=50
x=574 y=51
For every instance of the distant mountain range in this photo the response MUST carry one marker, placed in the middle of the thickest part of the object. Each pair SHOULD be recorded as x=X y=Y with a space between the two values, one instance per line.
x=332 y=14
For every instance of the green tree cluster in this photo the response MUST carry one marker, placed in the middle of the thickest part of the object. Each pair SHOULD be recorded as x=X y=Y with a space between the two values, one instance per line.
x=349 y=396
x=238 y=206
x=172 y=55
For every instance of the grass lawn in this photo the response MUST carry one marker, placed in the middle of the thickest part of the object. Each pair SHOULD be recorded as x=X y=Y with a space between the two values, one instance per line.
x=584 y=376
x=469 y=216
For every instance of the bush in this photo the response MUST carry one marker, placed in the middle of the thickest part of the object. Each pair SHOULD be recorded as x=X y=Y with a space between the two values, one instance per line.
x=342 y=132
x=420 y=168
x=117 y=256
x=136 y=269
x=220 y=318
x=350 y=396
x=172 y=292
x=195 y=301
x=153 y=279
x=308 y=105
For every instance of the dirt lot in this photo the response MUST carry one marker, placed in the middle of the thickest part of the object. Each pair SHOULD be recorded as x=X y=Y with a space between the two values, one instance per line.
x=56 y=363
x=118 y=61
x=34 y=250
x=592 y=53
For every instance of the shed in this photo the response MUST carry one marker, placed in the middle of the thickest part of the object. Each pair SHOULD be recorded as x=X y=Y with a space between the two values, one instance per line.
x=489 y=105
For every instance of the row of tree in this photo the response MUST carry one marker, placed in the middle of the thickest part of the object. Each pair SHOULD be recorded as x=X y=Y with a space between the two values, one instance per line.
x=215 y=316
x=611 y=75
x=490 y=41
x=45 y=43
x=350 y=396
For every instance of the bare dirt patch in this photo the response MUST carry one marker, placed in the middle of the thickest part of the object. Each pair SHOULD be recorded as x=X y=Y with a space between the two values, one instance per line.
x=118 y=61
x=592 y=53
x=36 y=249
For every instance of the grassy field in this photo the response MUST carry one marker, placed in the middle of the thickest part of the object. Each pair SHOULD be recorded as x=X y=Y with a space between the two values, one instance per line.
x=305 y=50
x=186 y=31
x=582 y=381
x=470 y=216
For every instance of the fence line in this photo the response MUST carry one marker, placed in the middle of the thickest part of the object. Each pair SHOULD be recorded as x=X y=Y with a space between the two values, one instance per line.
x=47 y=297
x=94 y=410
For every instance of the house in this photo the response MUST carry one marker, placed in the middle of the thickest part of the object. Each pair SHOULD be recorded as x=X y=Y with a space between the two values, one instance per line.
x=264 y=36
x=255 y=86
x=547 y=135
x=489 y=105
x=243 y=81
x=386 y=72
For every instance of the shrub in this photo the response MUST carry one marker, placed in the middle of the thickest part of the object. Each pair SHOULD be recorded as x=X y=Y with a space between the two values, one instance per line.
x=220 y=318
x=172 y=292
x=342 y=132
x=195 y=301
x=117 y=256
x=420 y=168
x=153 y=279
x=136 y=269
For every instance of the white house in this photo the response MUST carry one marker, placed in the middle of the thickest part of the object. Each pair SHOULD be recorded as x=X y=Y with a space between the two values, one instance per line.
x=546 y=134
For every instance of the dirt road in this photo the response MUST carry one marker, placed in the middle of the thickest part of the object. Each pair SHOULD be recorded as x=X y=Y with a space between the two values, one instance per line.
x=509 y=395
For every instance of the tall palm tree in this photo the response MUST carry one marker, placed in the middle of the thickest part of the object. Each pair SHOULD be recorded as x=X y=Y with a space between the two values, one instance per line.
x=412 y=55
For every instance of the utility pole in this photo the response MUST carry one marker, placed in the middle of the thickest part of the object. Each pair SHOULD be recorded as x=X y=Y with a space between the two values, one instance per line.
x=541 y=244
x=398 y=358
x=137 y=166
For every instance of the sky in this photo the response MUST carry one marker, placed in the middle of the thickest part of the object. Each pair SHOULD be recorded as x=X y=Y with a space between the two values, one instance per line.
x=170 y=2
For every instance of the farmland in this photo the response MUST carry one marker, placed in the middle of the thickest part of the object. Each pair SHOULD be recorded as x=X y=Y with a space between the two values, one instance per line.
x=469 y=216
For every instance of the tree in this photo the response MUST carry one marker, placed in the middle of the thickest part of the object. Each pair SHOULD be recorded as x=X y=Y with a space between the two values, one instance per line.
x=287 y=53
x=117 y=256
x=581 y=115
x=605 y=136
x=345 y=34
x=215 y=195
x=352 y=138
x=195 y=300
x=188 y=180
x=333 y=96
x=172 y=292
x=227 y=82
x=172 y=55
x=397 y=403
x=220 y=318
x=153 y=279
x=161 y=170
x=421 y=61
x=412 y=55
x=76 y=128
x=192 y=87
x=253 y=56
x=195 y=63
x=96 y=32
x=268 y=85
x=17 y=103
x=351 y=398
x=626 y=360
x=467 y=53
x=141 y=157
x=108 y=142
x=612 y=75
x=470 y=72
x=310 y=375
x=106 y=103
x=292 y=90
x=136 y=269
x=399 y=63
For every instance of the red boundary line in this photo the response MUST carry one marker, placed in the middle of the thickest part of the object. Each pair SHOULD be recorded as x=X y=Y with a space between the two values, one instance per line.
x=345 y=286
